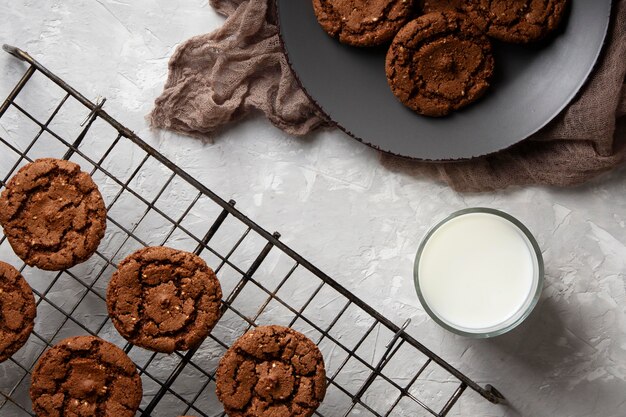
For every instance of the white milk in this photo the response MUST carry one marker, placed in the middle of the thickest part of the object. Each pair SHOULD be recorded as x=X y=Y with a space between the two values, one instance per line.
x=478 y=272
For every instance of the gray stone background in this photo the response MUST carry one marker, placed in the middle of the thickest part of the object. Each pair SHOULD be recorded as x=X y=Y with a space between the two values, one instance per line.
x=356 y=219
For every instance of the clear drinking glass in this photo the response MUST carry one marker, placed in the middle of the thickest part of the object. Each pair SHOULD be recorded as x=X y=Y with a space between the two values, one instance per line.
x=529 y=304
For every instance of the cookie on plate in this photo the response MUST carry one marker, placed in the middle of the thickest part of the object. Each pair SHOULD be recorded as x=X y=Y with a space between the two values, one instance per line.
x=164 y=299
x=85 y=376
x=53 y=214
x=271 y=371
x=517 y=21
x=439 y=63
x=17 y=311
x=363 y=22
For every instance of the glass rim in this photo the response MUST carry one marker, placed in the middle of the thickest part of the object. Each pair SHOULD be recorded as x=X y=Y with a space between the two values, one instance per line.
x=535 y=249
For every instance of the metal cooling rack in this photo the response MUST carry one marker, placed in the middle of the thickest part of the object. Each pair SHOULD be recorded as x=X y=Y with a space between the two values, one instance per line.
x=374 y=368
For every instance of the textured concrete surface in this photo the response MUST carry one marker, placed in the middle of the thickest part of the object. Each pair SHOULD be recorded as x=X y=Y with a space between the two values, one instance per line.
x=354 y=218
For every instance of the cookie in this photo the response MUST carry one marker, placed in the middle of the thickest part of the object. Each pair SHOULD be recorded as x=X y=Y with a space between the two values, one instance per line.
x=361 y=22
x=52 y=214
x=164 y=299
x=85 y=376
x=17 y=311
x=517 y=21
x=439 y=63
x=271 y=371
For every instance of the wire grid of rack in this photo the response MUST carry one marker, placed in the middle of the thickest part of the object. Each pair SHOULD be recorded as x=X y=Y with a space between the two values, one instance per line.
x=373 y=366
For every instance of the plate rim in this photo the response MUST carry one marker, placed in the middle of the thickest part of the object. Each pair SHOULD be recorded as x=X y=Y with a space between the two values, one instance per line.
x=275 y=13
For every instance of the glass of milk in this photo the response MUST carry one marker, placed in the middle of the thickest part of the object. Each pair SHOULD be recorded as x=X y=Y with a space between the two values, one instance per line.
x=479 y=272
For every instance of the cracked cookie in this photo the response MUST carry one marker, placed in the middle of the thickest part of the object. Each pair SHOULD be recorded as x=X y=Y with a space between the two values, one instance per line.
x=53 y=214
x=85 y=376
x=271 y=371
x=439 y=63
x=164 y=299
x=363 y=23
x=518 y=21
x=17 y=311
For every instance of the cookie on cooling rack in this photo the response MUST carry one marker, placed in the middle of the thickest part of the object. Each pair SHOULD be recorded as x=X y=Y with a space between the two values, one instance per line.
x=517 y=21
x=85 y=376
x=363 y=23
x=17 y=311
x=164 y=299
x=271 y=370
x=438 y=63
x=53 y=214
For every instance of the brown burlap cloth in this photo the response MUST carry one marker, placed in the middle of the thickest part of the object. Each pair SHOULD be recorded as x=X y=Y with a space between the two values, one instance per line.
x=220 y=77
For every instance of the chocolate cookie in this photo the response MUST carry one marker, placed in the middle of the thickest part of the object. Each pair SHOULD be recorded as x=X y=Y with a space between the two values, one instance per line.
x=85 y=376
x=438 y=63
x=164 y=299
x=271 y=371
x=518 y=21
x=17 y=311
x=52 y=214
x=361 y=22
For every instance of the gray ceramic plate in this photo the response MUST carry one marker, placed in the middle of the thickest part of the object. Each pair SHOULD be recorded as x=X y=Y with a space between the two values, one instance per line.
x=532 y=86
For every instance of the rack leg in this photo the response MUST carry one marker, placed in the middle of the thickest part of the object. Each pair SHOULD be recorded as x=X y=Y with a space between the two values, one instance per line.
x=493 y=395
